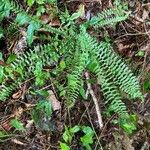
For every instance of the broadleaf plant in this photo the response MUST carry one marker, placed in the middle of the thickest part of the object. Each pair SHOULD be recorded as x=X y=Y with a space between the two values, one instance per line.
x=69 y=133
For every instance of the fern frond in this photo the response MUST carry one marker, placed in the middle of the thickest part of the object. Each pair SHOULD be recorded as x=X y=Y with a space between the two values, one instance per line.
x=7 y=89
x=74 y=83
x=24 y=65
x=6 y=6
x=9 y=5
x=120 y=71
x=109 y=17
x=75 y=77
x=111 y=72
x=4 y=9
x=14 y=6
x=109 y=89
x=123 y=76
x=75 y=80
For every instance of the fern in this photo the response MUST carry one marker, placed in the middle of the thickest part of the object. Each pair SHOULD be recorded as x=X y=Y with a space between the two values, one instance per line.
x=104 y=75
x=80 y=52
x=122 y=75
x=6 y=6
x=74 y=79
x=109 y=16
x=4 y=10
x=11 y=6
x=110 y=90
x=109 y=67
x=25 y=65
x=24 y=18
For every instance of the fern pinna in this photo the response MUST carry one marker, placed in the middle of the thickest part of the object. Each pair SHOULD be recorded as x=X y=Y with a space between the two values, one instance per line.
x=80 y=52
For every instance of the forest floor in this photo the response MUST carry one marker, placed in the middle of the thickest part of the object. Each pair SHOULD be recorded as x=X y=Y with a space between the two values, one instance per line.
x=131 y=39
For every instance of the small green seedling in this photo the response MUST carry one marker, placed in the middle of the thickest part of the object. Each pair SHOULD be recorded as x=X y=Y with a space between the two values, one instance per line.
x=86 y=140
x=128 y=125
x=17 y=125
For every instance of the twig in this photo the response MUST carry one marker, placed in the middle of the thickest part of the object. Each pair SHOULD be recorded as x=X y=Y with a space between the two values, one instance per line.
x=104 y=129
x=87 y=107
x=98 y=140
x=139 y=19
x=144 y=62
x=132 y=34
x=147 y=51
x=95 y=101
x=145 y=4
x=136 y=18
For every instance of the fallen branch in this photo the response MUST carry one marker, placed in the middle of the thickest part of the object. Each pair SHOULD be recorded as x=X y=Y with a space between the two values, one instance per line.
x=91 y=92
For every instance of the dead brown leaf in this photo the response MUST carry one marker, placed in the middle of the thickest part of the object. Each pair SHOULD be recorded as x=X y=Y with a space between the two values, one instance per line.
x=18 y=112
x=55 y=23
x=19 y=45
x=45 y=18
x=6 y=125
x=2 y=63
x=17 y=95
x=55 y=103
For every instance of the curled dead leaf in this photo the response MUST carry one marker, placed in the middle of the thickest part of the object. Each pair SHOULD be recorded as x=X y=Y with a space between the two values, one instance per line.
x=55 y=23
x=17 y=95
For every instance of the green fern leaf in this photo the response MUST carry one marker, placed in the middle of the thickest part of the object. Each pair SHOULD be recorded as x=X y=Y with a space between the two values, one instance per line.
x=75 y=78
x=22 y=18
x=108 y=17
x=121 y=73
x=113 y=98
x=33 y=26
x=25 y=65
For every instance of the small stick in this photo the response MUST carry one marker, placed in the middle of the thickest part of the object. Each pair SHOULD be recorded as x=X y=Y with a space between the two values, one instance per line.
x=98 y=112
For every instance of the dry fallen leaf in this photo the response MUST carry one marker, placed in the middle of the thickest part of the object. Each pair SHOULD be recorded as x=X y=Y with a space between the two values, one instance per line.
x=2 y=63
x=29 y=106
x=29 y=124
x=55 y=103
x=17 y=142
x=17 y=95
x=55 y=23
x=6 y=125
x=45 y=19
x=145 y=15
x=19 y=46
x=18 y=112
